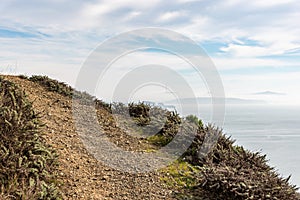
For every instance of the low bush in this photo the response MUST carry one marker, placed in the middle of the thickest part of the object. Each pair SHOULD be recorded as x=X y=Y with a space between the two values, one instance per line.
x=226 y=171
x=66 y=90
x=27 y=163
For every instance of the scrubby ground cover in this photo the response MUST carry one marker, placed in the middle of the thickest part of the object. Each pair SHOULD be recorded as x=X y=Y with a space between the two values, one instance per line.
x=27 y=163
x=227 y=171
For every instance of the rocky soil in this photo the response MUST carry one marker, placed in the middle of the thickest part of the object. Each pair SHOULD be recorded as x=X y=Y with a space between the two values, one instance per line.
x=81 y=176
x=89 y=152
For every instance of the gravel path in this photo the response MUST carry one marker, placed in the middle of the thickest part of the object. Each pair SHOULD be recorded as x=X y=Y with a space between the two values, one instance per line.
x=80 y=174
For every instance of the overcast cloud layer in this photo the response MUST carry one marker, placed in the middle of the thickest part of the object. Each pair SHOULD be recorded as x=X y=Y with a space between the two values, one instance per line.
x=254 y=44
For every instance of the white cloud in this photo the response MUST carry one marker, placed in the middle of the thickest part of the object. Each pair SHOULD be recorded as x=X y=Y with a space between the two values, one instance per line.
x=169 y=16
x=132 y=15
x=74 y=28
x=97 y=9
x=189 y=1
x=245 y=51
x=253 y=51
x=270 y=3
x=254 y=63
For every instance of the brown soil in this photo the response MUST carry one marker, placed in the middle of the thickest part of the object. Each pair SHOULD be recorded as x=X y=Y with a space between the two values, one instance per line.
x=80 y=174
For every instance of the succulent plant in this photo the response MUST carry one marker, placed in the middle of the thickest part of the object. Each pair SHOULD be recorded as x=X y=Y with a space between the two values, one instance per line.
x=27 y=163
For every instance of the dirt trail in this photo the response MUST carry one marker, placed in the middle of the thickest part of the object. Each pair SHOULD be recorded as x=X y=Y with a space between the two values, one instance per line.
x=80 y=174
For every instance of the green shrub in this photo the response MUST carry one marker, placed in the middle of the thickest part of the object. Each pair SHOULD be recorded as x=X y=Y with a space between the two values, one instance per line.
x=230 y=172
x=180 y=174
x=195 y=119
x=53 y=85
x=66 y=90
x=140 y=112
x=228 y=182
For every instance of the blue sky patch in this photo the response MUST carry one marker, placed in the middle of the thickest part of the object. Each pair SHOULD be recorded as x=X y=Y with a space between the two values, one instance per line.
x=6 y=33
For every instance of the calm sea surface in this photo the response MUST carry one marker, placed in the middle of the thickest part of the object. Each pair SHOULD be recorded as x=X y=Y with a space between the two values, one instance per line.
x=273 y=130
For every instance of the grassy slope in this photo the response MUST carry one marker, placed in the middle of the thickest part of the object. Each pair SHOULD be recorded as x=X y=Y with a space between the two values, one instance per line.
x=228 y=172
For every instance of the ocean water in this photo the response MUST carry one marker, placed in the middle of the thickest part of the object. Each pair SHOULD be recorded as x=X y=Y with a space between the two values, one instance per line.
x=272 y=130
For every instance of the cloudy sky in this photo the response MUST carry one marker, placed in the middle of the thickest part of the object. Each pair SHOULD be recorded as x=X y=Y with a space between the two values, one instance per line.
x=255 y=45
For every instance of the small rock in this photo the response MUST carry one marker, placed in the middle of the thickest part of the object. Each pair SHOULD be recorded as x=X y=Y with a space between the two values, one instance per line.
x=104 y=178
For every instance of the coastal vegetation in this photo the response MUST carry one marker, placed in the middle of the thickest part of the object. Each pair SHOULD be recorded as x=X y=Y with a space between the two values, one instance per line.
x=213 y=167
x=27 y=162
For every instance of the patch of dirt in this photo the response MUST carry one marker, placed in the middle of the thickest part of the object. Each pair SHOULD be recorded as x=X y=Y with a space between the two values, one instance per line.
x=80 y=174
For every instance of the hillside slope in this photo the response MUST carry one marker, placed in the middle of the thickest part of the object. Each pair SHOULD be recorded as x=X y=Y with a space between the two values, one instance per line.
x=229 y=171
x=27 y=162
x=82 y=176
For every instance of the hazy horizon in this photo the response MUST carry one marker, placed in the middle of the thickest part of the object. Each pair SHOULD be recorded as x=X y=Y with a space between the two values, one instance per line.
x=255 y=50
